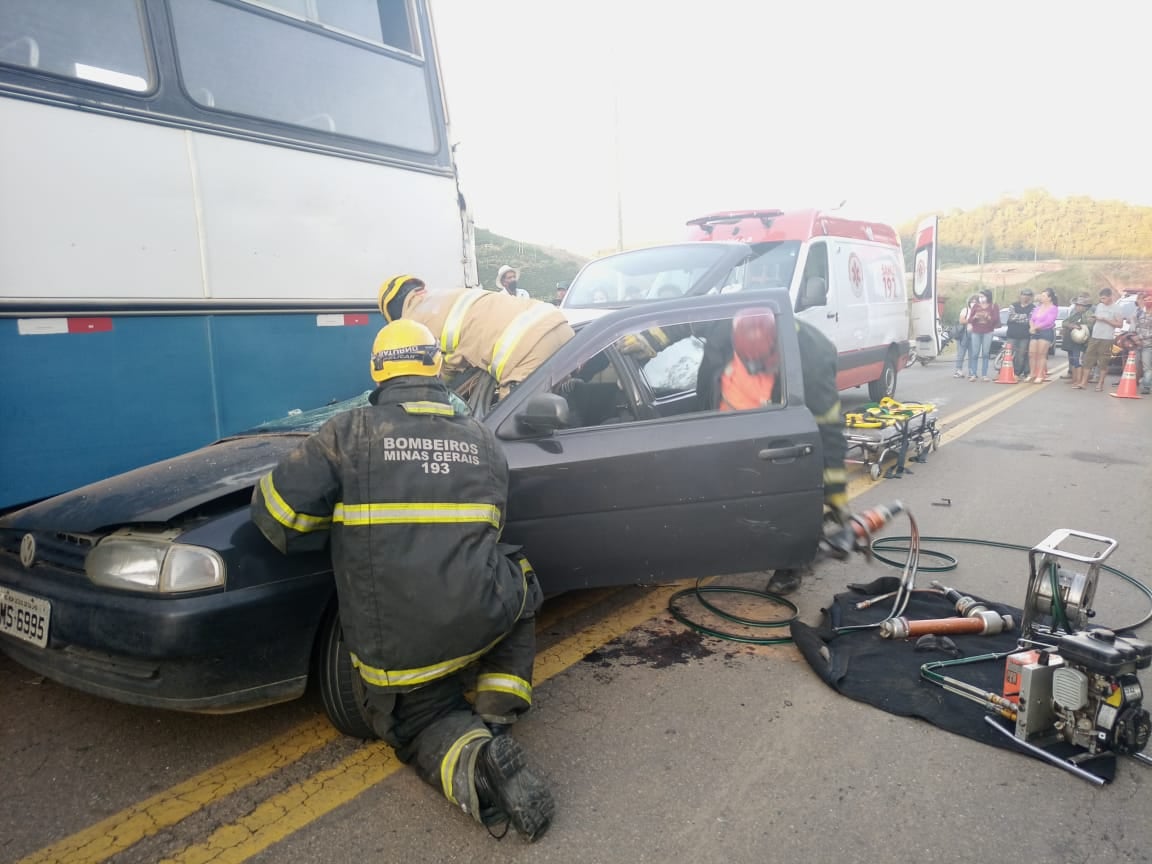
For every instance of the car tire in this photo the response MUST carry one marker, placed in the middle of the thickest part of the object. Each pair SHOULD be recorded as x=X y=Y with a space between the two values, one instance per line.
x=338 y=684
x=885 y=385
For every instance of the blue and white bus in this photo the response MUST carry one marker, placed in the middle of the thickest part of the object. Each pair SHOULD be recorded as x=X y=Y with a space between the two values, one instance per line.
x=198 y=200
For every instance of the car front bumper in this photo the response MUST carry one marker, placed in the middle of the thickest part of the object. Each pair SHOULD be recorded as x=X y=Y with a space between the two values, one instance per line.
x=212 y=653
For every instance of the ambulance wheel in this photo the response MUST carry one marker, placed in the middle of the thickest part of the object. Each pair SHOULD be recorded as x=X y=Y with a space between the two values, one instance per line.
x=874 y=470
x=885 y=385
x=337 y=684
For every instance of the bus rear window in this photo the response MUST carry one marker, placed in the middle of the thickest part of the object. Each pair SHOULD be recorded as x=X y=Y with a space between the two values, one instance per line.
x=101 y=43
x=261 y=64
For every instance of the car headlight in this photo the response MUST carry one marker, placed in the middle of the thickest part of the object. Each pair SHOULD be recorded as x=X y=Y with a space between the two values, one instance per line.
x=153 y=564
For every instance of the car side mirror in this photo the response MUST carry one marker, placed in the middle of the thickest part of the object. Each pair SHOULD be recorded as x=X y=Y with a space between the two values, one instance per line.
x=544 y=413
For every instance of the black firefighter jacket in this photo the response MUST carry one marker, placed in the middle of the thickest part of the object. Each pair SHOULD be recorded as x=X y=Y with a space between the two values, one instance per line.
x=413 y=497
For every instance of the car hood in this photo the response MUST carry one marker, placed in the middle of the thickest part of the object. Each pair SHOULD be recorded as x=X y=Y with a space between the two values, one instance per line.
x=159 y=492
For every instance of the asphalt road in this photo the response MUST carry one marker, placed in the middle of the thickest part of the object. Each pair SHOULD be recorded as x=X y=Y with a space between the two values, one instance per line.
x=662 y=745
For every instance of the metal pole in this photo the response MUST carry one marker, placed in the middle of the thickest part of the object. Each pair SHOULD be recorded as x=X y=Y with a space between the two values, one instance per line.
x=616 y=144
x=1045 y=755
x=983 y=245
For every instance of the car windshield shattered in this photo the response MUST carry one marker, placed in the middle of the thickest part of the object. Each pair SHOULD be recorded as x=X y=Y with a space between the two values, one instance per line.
x=307 y=422
x=667 y=272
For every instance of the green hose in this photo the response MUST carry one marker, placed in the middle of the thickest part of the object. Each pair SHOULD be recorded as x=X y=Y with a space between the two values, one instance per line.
x=887 y=544
x=878 y=546
x=698 y=592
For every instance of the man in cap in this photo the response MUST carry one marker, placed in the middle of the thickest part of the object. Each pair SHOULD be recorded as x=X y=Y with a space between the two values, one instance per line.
x=508 y=278
x=1017 y=333
x=425 y=589
x=504 y=335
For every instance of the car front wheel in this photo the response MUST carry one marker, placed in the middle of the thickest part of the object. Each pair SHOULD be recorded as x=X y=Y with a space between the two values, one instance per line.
x=338 y=684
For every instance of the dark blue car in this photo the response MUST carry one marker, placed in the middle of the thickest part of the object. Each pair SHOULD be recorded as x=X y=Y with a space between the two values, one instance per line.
x=154 y=587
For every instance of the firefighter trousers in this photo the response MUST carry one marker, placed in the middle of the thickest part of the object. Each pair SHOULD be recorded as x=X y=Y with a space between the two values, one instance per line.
x=435 y=729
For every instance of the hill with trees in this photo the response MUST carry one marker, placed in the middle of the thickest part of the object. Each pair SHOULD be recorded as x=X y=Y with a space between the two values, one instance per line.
x=540 y=267
x=1038 y=226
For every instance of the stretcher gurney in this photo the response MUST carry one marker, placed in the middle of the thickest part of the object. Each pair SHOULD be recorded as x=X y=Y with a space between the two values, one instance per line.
x=890 y=429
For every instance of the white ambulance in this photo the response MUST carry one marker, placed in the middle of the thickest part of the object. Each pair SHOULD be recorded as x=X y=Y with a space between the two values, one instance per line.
x=845 y=277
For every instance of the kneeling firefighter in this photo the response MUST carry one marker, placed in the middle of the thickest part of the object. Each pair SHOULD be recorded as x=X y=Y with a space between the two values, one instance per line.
x=739 y=372
x=413 y=495
x=504 y=335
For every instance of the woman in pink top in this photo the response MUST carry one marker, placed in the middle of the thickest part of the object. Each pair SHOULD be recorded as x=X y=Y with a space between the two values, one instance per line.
x=1042 y=327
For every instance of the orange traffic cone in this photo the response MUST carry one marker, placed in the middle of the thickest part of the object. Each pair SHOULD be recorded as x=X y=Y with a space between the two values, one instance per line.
x=1127 y=388
x=1007 y=371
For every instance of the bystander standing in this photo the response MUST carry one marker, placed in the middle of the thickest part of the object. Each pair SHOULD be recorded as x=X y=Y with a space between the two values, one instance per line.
x=1018 y=333
x=508 y=278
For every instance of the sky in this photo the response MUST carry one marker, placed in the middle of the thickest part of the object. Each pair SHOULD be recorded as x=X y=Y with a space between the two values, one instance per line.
x=566 y=113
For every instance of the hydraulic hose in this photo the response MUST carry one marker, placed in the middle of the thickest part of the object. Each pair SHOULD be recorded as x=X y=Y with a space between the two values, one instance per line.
x=698 y=592
x=891 y=544
x=878 y=547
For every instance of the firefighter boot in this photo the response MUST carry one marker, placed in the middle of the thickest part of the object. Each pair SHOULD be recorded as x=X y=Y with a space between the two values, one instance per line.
x=786 y=581
x=509 y=791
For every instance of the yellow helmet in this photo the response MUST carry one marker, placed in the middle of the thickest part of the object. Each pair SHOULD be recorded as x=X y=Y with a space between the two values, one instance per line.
x=393 y=293
x=405 y=347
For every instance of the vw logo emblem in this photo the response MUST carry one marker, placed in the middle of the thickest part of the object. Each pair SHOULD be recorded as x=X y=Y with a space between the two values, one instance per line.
x=27 y=550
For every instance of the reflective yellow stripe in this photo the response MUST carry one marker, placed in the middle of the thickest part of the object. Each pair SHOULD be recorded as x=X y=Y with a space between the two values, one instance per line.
x=285 y=515
x=835 y=477
x=452 y=758
x=450 y=334
x=422 y=675
x=525 y=569
x=494 y=683
x=428 y=408
x=832 y=415
x=512 y=335
x=415 y=514
x=660 y=337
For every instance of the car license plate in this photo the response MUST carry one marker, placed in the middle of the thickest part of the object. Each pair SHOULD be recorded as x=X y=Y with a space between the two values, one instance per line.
x=24 y=616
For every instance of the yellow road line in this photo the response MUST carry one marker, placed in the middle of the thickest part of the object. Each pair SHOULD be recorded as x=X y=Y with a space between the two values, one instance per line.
x=130 y=826
x=568 y=605
x=291 y=810
x=958 y=429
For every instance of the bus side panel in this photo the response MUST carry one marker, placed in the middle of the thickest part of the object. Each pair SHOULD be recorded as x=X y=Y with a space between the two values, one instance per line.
x=268 y=365
x=338 y=229
x=115 y=209
x=88 y=404
x=96 y=207
x=113 y=394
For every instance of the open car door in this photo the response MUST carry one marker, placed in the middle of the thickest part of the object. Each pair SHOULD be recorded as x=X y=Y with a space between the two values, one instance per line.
x=620 y=475
x=925 y=313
